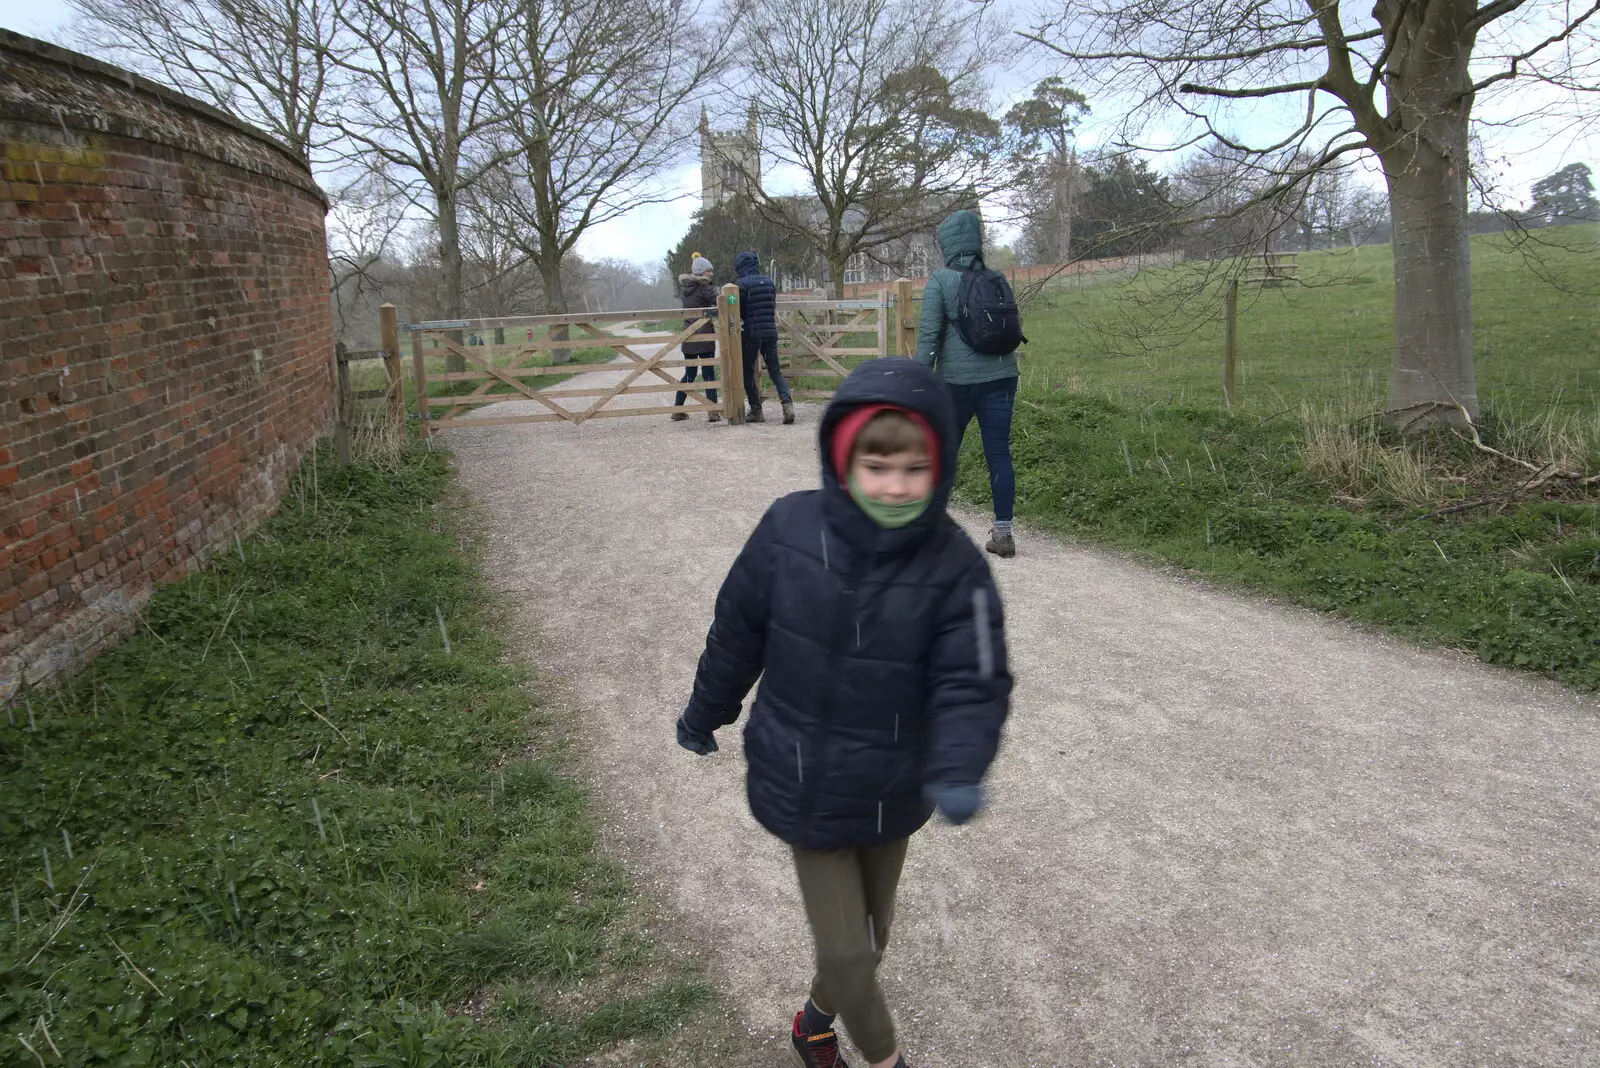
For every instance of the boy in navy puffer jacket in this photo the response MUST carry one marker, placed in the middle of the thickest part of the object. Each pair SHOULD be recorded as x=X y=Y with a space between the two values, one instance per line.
x=877 y=633
x=758 y=296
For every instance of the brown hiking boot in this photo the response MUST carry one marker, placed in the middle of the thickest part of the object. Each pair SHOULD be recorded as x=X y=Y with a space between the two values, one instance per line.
x=1002 y=545
x=755 y=415
x=788 y=413
x=678 y=417
x=713 y=417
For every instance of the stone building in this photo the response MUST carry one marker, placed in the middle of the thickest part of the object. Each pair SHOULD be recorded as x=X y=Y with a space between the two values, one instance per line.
x=730 y=168
x=730 y=161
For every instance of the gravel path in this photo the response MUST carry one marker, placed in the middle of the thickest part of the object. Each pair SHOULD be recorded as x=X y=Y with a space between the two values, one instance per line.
x=1223 y=832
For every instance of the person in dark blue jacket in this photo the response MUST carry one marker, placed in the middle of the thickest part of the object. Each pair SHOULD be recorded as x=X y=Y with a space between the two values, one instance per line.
x=877 y=633
x=758 y=296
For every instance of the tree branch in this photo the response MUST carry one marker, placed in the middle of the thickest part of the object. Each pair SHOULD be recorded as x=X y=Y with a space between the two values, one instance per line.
x=1308 y=44
x=1246 y=94
x=1489 y=12
x=1516 y=60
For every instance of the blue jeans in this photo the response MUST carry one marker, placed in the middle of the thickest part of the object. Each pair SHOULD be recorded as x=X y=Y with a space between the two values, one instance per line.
x=991 y=402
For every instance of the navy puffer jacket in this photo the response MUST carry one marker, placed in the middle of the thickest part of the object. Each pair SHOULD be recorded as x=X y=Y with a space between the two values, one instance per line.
x=758 y=295
x=881 y=653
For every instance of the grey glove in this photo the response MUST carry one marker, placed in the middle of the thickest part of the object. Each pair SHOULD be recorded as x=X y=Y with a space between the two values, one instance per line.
x=703 y=743
x=958 y=803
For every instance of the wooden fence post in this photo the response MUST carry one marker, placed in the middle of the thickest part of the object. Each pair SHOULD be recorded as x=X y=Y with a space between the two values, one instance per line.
x=419 y=371
x=1230 y=338
x=905 y=329
x=389 y=341
x=730 y=335
x=885 y=309
x=341 y=405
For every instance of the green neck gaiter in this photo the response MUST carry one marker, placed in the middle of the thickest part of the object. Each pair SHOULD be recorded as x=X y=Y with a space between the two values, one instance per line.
x=888 y=516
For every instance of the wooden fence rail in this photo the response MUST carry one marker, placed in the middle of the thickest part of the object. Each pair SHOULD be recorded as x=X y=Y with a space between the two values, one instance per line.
x=819 y=342
x=1271 y=269
x=346 y=397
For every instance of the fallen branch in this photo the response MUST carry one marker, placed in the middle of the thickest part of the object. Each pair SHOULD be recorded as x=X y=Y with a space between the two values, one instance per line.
x=65 y=918
x=1462 y=507
x=1267 y=419
x=1542 y=473
x=324 y=719
x=1421 y=408
x=44 y=1028
x=29 y=1047
x=1551 y=471
x=129 y=961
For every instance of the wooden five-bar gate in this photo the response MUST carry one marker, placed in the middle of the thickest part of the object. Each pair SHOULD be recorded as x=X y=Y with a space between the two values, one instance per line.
x=819 y=342
x=819 y=339
x=648 y=364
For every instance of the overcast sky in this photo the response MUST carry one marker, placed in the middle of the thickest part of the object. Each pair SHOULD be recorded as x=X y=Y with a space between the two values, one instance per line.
x=1519 y=154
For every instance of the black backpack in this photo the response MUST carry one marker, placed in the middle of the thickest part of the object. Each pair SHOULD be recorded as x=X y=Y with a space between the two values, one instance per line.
x=986 y=312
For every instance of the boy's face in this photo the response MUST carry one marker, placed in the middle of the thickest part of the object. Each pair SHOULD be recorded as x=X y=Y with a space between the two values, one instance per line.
x=899 y=478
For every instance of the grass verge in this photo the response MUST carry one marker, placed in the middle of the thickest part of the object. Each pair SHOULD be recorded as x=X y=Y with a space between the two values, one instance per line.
x=1234 y=498
x=294 y=819
x=1120 y=439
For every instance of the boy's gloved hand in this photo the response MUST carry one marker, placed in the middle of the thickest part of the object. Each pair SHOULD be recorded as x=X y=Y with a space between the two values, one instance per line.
x=703 y=743
x=958 y=803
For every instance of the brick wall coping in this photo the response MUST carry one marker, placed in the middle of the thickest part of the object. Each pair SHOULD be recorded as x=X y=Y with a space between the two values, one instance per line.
x=17 y=101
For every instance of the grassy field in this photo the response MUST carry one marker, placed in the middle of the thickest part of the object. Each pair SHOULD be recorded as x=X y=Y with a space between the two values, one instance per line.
x=369 y=374
x=1536 y=318
x=308 y=815
x=1121 y=440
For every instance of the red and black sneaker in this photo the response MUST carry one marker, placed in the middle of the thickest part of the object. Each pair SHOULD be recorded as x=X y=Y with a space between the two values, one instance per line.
x=819 y=1050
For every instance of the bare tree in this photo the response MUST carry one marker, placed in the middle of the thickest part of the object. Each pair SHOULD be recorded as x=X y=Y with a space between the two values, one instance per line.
x=1219 y=191
x=620 y=285
x=365 y=220
x=497 y=277
x=597 y=98
x=420 y=75
x=1399 y=83
x=1366 y=214
x=879 y=104
x=267 y=61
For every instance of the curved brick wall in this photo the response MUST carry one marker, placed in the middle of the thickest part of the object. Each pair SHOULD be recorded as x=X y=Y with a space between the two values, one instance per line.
x=165 y=338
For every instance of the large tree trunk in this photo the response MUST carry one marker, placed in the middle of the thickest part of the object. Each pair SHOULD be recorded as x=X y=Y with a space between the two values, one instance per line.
x=835 y=282
x=555 y=300
x=550 y=253
x=1424 y=151
x=450 y=267
x=1432 y=368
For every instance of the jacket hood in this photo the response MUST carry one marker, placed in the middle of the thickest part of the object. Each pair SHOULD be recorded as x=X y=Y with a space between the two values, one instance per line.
x=687 y=282
x=903 y=383
x=961 y=238
x=746 y=263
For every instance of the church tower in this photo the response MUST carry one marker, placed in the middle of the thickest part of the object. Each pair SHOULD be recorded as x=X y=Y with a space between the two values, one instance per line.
x=730 y=161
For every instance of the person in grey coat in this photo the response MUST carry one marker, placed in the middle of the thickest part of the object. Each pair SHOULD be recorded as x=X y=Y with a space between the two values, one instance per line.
x=698 y=292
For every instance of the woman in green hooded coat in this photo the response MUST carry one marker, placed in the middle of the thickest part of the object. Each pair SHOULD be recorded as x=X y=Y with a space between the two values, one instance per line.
x=981 y=386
